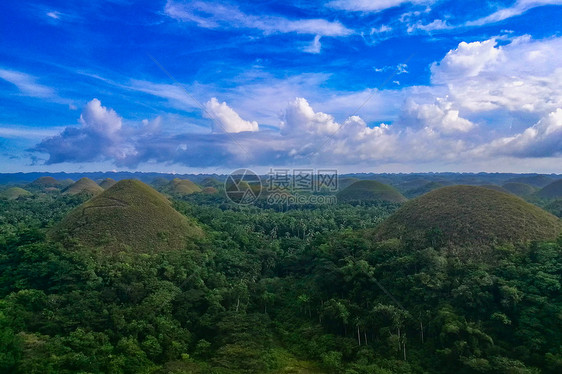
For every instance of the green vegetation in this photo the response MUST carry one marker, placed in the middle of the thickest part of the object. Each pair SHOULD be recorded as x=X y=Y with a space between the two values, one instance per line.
x=520 y=189
x=424 y=189
x=468 y=216
x=14 y=193
x=129 y=215
x=551 y=191
x=86 y=288
x=534 y=180
x=495 y=187
x=369 y=190
x=107 y=183
x=83 y=185
x=180 y=187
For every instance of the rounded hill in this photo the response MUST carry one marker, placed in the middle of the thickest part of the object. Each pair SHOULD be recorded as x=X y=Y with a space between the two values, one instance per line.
x=469 y=215
x=128 y=216
x=181 y=187
x=551 y=191
x=519 y=189
x=83 y=185
x=45 y=182
x=369 y=190
x=107 y=183
x=14 y=193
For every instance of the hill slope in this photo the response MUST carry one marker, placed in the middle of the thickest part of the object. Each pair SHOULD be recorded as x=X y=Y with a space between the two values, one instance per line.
x=538 y=180
x=470 y=215
x=128 y=215
x=519 y=189
x=83 y=185
x=181 y=187
x=551 y=191
x=369 y=190
x=107 y=183
x=14 y=193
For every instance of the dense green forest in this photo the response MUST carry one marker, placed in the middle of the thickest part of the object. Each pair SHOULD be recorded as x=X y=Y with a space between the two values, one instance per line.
x=273 y=289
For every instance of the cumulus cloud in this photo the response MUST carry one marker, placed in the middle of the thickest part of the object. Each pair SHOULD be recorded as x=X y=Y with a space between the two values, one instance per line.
x=225 y=119
x=218 y=15
x=524 y=75
x=543 y=139
x=440 y=116
x=486 y=101
x=98 y=137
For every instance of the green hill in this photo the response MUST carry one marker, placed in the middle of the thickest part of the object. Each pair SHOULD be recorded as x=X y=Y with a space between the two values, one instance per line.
x=538 y=180
x=519 y=189
x=211 y=182
x=495 y=187
x=44 y=183
x=181 y=187
x=424 y=189
x=83 y=185
x=159 y=182
x=368 y=190
x=129 y=215
x=107 y=183
x=346 y=182
x=66 y=182
x=555 y=208
x=14 y=193
x=469 y=215
x=551 y=191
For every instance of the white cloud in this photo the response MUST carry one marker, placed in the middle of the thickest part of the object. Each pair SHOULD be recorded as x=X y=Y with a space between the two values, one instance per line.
x=225 y=119
x=524 y=75
x=436 y=24
x=520 y=7
x=300 y=118
x=27 y=84
x=398 y=69
x=217 y=15
x=543 y=139
x=440 y=116
x=315 y=46
x=370 y=5
x=54 y=14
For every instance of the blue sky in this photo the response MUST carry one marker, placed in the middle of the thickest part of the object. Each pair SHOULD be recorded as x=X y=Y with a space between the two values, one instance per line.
x=202 y=86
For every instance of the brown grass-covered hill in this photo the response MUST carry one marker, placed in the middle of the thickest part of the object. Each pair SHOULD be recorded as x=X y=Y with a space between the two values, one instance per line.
x=83 y=185
x=551 y=191
x=469 y=215
x=369 y=190
x=181 y=187
x=128 y=216
x=107 y=183
x=520 y=189
x=44 y=184
x=14 y=193
x=210 y=190
x=495 y=187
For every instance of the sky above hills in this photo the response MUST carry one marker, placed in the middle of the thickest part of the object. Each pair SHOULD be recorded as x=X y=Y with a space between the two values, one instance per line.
x=358 y=85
